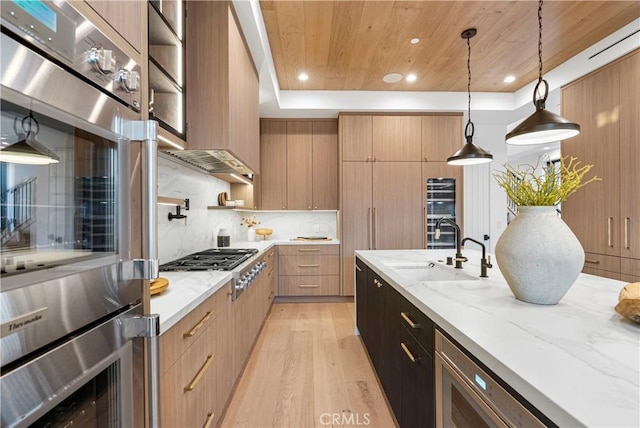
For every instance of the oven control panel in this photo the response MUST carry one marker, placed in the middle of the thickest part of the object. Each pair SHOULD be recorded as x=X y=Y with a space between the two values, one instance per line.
x=64 y=34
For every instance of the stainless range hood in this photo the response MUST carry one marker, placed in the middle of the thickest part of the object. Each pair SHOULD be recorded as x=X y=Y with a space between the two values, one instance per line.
x=211 y=161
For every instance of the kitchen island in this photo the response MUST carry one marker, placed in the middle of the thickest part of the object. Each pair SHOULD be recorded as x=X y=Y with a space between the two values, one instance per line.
x=578 y=362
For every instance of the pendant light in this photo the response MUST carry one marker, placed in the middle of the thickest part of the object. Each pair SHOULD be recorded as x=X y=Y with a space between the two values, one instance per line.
x=27 y=150
x=542 y=126
x=469 y=154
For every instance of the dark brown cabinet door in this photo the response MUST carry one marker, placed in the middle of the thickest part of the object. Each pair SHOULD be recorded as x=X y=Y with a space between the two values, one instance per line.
x=416 y=371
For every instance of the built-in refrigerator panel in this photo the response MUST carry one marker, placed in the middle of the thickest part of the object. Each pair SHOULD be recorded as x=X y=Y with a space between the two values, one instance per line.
x=441 y=202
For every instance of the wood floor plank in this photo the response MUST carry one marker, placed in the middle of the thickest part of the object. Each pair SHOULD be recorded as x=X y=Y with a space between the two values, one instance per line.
x=308 y=369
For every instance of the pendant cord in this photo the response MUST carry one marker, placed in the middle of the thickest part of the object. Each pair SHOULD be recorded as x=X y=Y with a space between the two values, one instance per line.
x=469 y=78
x=540 y=41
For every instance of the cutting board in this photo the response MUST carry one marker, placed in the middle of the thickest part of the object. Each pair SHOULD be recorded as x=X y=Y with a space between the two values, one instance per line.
x=158 y=286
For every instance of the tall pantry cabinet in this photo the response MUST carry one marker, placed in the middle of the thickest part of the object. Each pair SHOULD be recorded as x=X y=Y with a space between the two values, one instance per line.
x=605 y=216
x=382 y=196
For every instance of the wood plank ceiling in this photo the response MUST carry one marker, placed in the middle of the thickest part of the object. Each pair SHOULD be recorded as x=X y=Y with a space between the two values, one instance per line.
x=351 y=45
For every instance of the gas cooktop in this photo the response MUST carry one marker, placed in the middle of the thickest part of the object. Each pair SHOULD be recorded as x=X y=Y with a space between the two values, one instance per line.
x=213 y=259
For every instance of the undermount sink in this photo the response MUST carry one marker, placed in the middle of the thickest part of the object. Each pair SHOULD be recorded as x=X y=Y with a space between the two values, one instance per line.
x=429 y=271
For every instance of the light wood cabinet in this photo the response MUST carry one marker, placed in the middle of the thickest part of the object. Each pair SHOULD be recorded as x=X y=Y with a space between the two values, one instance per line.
x=309 y=270
x=441 y=137
x=222 y=84
x=356 y=137
x=397 y=138
x=605 y=216
x=194 y=357
x=325 y=165
x=273 y=156
x=125 y=17
x=299 y=164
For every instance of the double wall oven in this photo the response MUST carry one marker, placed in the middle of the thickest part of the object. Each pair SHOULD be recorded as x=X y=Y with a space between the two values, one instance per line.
x=75 y=162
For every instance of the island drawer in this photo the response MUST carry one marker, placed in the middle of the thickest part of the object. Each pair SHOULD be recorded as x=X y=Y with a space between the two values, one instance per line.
x=312 y=285
x=418 y=324
x=309 y=265
x=296 y=250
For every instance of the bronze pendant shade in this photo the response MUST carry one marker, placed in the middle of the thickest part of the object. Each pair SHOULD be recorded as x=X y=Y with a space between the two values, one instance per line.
x=469 y=153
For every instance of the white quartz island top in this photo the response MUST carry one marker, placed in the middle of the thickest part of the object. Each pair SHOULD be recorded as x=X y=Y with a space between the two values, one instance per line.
x=187 y=290
x=578 y=362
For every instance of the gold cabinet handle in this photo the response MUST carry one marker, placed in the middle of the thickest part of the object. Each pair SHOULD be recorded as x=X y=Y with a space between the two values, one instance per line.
x=370 y=240
x=270 y=296
x=197 y=326
x=308 y=285
x=308 y=265
x=595 y=262
x=308 y=250
x=358 y=268
x=271 y=272
x=626 y=233
x=609 y=240
x=209 y=420
x=375 y=228
x=377 y=283
x=409 y=354
x=199 y=375
x=270 y=254
x=408 y=320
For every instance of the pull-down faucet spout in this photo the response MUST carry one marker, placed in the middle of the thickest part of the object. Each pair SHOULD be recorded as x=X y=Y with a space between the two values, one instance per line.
x=459 y=257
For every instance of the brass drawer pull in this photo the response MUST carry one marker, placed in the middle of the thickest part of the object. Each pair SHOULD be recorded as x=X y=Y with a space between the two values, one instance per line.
x=358 y=268
x=270 y=254
x=595 y=262
x=308 y=250
x=197 y=326
x=308 y=265
x=377 y=283
x=199 y=375
x=271 y=272
x=308 y=285
x=209 y=421
x=409 y=354
x=270 y=296
x=408 y=320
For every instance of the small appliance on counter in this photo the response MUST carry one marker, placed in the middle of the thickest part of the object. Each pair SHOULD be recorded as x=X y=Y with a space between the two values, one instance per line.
x=224 y=240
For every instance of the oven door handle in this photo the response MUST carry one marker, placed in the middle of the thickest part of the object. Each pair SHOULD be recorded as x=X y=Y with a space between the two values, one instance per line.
x=148 y=327
x=146 y=131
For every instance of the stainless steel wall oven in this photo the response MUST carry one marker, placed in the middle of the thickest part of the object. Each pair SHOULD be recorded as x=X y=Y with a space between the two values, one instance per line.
x=70 y=284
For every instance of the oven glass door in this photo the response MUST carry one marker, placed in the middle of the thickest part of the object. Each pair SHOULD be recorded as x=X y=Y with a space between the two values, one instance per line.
x=457 y=405
x=95 y=405
x=58 y=213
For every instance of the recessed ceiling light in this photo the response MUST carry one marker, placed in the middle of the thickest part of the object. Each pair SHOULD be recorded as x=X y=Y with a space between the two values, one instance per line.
x=392 y=78
x=303 y=76
x=415 y=41
x=411 y=78
x=510 y=78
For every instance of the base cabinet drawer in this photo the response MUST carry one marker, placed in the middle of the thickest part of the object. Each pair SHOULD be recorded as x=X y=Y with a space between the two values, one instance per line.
x=309 y=265
x=312 y=285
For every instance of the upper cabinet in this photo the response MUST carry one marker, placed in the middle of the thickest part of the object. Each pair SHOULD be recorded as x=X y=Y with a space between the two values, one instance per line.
x=396 y=138
x=299 y=165
x=166 y=65
x=124 y=17
x=222 y=84
x=399 y=138
x=441 y=137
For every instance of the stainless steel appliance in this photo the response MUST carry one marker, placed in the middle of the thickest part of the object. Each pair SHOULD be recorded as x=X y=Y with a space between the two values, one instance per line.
x=467 y=396
x=441 y=203
x=239 y=260
x=71 y=280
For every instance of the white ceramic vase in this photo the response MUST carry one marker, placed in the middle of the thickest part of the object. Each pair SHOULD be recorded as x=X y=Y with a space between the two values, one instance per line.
x=251 y=234
x=539 y=256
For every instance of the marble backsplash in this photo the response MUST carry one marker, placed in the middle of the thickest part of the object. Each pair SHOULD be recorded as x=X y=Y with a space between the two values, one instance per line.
x=199 y=230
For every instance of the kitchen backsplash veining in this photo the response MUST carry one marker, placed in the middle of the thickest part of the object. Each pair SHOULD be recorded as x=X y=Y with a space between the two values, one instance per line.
x=199 y=230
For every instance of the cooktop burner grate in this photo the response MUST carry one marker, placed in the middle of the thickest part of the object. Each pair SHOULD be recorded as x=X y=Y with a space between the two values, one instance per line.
x=213 y=259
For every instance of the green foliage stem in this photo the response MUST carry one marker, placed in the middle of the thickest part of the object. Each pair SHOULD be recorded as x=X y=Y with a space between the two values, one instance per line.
x=525 y=188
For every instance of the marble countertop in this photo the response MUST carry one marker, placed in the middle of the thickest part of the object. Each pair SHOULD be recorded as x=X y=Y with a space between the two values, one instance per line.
x=578 y=362
x=189 y=289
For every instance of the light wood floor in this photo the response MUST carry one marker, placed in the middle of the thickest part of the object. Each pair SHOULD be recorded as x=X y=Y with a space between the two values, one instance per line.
x=308 y=369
